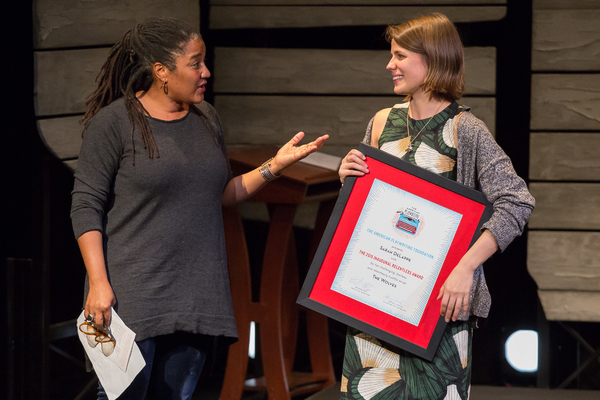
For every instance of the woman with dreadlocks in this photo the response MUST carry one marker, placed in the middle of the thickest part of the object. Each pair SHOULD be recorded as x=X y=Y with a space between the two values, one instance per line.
x=151 y=179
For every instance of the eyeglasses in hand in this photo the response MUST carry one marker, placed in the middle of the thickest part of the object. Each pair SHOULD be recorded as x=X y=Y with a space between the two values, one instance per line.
x=96 y=335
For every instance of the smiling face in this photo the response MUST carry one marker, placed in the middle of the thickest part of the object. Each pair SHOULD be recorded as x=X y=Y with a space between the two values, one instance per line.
x=408 y=71
x=187 y=82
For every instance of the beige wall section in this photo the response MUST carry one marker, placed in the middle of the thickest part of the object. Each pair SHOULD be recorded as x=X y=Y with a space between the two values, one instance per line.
x=65 y=78
x=566 y=4
x=566 y=40
x=565 y=260
x=570 y=305
x=261 y=119
x=329 y=71
x=240 y=17
x=565 y=101
x=347 y=2
x=564 y=156
x=62 y=135
x=271 y=119
x=80 y=23
x=565 y=206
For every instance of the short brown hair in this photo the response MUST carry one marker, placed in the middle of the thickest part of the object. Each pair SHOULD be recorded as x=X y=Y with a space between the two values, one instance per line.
x=436 y=39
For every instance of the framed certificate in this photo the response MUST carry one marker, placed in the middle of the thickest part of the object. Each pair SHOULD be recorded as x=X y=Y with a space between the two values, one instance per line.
x=393 y=238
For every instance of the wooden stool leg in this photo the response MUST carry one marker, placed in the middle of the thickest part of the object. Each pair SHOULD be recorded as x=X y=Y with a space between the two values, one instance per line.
x=241 y=293
x=276 y=252
x=289 y=310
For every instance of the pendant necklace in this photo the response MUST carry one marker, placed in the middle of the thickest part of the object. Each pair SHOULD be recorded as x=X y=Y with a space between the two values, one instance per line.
x=410 y=145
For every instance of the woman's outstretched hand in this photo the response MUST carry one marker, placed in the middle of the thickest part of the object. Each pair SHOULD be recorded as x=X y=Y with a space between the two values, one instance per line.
x=289 y=153
x=353 y=165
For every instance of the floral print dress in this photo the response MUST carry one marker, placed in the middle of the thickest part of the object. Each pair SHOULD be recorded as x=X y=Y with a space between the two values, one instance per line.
x=377 y=370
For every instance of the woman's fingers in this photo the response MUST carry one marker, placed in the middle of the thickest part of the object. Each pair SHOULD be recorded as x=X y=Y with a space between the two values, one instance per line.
x=99 y=302
x=107 y=317
x=451 y=306
x=289 y=153
x=353 y=164
x=100 y=316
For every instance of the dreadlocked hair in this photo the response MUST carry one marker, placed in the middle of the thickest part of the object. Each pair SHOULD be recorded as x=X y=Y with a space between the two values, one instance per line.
x=128 y=69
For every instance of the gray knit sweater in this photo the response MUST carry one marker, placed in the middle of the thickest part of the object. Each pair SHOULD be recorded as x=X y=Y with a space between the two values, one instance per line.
x=483 y=165
x=161 y=220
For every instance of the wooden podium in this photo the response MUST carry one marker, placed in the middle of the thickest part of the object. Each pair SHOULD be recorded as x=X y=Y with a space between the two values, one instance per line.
x=277 y=313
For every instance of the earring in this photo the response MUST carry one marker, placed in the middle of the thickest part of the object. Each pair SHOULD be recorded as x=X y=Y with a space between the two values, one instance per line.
x=165 y=87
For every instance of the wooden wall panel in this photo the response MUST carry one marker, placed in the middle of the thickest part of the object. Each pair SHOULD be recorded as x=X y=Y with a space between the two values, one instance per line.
x=347 y=2
x=329 y=71
x=565 y=305
x=566 y=40
x=273 y=119
x=73 y=23
x=266 y=71
x=564 y=260
x=65 y=78
x=62 y=135
x=243 y=17
x=565 y=206
x=565 y=102
x=71 y=164
x=566 y=5
x=564 y=156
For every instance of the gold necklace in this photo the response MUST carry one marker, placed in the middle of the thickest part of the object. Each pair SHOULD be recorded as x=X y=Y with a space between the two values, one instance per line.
x=410 y=145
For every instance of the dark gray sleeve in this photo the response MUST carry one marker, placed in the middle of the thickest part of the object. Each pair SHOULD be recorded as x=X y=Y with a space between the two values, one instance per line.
x=502 y=186
x=97 y=166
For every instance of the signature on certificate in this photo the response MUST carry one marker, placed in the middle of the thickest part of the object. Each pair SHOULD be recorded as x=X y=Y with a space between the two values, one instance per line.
x=360 y=283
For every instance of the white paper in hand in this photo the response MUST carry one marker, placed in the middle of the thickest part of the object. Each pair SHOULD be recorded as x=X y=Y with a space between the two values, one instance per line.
x=117 y=371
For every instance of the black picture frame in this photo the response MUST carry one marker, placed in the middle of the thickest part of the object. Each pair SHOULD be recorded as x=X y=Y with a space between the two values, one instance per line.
x=316 y=293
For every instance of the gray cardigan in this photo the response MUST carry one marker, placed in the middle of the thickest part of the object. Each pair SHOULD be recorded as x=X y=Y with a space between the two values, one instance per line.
x=484 y=166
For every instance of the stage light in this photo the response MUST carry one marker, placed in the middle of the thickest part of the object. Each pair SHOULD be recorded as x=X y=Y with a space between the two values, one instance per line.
x=252 y=345
x=521 y=350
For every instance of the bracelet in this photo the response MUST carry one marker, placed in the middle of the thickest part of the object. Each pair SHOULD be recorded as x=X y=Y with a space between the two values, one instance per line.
x=265 y=171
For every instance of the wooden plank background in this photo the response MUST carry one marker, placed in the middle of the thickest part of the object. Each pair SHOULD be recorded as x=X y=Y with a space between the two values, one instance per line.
x=347 y=2
x=565 y=102
x=277 y=92
x=564 y=260
x=566 y=206
x=570 y=305
x=564 y=164
x=62 y=135
x=65 y=78
x=82 y=23
x=265 y=71
x=251 y=119
x=244 y=17
x=566 y=40
x=271 y=119
x=564 y=156
x=566 y=5
x=329 y=71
